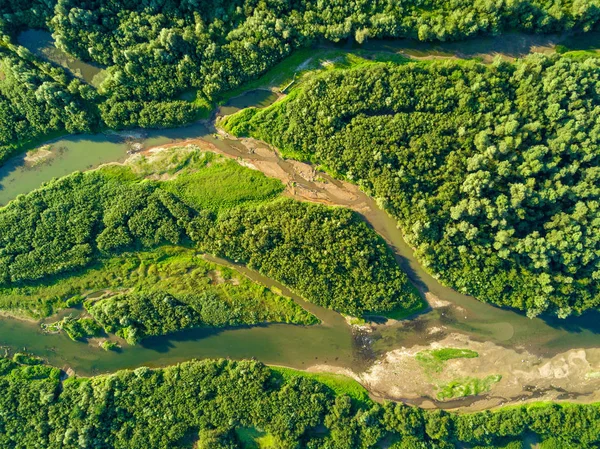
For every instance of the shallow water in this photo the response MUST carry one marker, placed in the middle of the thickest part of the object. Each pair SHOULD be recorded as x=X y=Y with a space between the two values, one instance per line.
x=66 y=155
x=486 y=48
x=297 y=346
x=41 y=44
x=259 y=98
x=300 y=346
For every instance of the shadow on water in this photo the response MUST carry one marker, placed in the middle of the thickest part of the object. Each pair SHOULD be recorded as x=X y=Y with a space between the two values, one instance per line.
x=259 y=98
x=166 y=343
x=588 y=322
x=486 y=48
x=41 y=44
x=57 y=158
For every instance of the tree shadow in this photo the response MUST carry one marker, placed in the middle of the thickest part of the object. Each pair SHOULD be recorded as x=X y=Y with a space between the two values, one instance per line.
x=165 y=343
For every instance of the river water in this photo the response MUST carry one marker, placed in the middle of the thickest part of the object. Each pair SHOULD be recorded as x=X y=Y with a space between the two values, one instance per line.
x=298 y=346
x=41 y=44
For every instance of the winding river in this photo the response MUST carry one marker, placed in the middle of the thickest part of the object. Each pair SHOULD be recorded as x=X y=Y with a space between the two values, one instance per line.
x=333 y=342
x=295 y=346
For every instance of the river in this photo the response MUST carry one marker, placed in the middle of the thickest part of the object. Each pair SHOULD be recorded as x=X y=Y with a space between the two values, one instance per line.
x=296 y=345
x=331 y=343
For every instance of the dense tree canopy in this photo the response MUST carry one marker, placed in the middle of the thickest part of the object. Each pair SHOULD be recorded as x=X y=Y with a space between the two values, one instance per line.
x=328 y=255
x=492 y=171
x=217 y=404
x=38 y=99
x=155 y=51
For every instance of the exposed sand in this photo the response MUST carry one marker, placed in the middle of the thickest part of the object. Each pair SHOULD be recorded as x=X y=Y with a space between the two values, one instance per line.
x=573 y=376
x=39 y=155
x=300 y=179
x=570 y=376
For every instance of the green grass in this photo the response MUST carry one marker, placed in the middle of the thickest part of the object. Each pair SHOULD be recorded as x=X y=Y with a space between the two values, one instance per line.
x=253 y=438
x=203 y=180
x=175 y=160
x=468 y=386
x=175 y=270
x=224 y=184
x=277 y=77
x=433 y=360
x=338 y=383
x=27 y=359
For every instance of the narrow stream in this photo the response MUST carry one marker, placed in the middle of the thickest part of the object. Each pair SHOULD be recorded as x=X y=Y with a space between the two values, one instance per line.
x=282 y=344
x=41 y=44
x=299 y=346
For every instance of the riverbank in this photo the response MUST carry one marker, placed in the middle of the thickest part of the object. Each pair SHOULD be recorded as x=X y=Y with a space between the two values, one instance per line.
x=572 y=376
x=452 y=319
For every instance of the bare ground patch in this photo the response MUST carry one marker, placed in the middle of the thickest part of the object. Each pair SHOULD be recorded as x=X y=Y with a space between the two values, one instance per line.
x=525 y=377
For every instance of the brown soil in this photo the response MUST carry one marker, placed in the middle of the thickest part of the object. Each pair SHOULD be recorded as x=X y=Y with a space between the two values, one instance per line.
x=569 y=376
x=301 y=179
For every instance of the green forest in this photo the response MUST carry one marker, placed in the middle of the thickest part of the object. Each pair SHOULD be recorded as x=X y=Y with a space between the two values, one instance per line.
x=328 y=255
x=136 y=295
x=158 y=52
x=216 y=404
x=491 y=171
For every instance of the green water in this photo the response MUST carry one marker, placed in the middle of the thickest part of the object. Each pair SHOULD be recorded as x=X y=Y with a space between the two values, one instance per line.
x=41 y=44
x=296 y=346
x=85 y=151
x=69 y=154
x=511 y=45
x=291 y=345
x=545 y=336
x=259 y=98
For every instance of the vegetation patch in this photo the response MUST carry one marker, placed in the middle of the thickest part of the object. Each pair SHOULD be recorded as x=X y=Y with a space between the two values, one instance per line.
x=223 y=184
x=482 y=185
x=157 y=292
x=433 y=360
x=78 y=328
x=468 y=386
x=328 y=255
x=338 y=383
x=229 y=404
x=108 y=345
x=252 y=438
x=27 y=359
